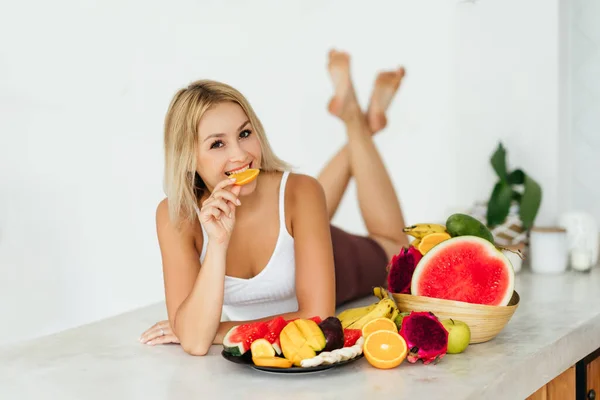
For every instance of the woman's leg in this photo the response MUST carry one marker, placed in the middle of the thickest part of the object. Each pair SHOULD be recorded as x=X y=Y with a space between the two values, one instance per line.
x=377 y=198
x=337 y=172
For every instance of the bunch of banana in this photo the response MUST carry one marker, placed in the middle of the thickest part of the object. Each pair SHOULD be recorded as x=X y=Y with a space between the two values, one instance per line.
x=356 y=318
x=419 y=231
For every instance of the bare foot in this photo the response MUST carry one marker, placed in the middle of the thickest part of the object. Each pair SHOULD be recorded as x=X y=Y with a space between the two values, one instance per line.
x=386 y=85
x=344 y=100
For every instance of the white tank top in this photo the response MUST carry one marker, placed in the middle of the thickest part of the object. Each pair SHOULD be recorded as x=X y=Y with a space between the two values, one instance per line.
x=273 y=290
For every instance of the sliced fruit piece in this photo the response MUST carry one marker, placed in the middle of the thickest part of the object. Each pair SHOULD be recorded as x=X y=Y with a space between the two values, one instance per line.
x=378 y=324
x=425 y=336
x=274 y=362
x=238 y=339
x=301 y=339
x=465 y=268
x=246 y=176
x=431 y=240
x=333 y=332
x=262 y=348
x=313 y=334
x=351 y=336
x=385 y=349
x=274 y=327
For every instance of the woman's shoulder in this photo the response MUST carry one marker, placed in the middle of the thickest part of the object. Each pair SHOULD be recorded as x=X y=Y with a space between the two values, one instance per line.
x=183 y=227
x=304 y=188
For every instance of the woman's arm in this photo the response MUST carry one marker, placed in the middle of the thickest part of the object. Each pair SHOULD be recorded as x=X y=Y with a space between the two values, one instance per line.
x=194 y=294
x=315 y=273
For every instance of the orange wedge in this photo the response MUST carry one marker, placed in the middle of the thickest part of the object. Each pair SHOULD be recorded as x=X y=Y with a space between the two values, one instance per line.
x=274 y=362
x=246 y=176
x=385 y=349
x=431 y=240
x=379 y=324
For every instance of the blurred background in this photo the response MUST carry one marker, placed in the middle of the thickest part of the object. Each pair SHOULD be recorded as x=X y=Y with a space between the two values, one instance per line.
x=85 y=86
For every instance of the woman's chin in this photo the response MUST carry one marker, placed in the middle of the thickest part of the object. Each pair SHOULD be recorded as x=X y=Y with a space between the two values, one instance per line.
x=248 y=188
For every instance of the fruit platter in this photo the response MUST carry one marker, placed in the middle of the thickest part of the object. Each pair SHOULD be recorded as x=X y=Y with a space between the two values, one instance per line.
x=451 y=287
x=293 y=346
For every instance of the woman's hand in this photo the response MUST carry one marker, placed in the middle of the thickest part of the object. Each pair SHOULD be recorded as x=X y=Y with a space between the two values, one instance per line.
x=159 y=333
x=217 y=214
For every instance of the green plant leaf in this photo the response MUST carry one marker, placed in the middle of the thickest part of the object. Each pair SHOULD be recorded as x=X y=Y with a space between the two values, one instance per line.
x=517 y=177
x=530 y=202
x=499 y=203
x=499 y=162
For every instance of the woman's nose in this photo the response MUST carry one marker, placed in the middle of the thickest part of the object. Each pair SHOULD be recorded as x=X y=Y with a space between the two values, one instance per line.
x=237 y=153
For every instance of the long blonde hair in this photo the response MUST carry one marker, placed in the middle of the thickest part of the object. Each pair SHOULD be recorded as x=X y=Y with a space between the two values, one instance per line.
x=182 y=184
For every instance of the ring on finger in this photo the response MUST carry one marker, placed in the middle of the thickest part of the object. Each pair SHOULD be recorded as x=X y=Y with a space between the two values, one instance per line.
x=162 y=332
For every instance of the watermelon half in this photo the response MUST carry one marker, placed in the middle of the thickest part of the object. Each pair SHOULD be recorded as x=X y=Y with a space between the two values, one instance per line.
x=465 y=268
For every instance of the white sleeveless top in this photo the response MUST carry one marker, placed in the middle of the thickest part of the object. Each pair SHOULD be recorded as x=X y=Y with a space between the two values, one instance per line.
x=273 y=290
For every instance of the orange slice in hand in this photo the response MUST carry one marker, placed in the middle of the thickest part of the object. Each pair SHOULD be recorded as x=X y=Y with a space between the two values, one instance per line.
x=385 y=349
x=246 y=176
x=431 y=240
x=379 y=324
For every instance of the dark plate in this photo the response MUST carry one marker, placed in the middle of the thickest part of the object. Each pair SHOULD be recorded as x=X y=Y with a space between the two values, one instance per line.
x=247 y=360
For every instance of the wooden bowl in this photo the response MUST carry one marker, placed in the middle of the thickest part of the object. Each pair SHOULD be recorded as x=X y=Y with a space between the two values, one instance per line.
x=485 y=322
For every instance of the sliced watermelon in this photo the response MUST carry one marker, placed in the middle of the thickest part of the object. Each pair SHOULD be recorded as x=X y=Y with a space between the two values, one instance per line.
x=274 y=327
x=351 y=336
x=239 y=338
x=465 y=268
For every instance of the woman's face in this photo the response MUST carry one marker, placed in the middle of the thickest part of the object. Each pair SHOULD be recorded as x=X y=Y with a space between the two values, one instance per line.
x=227 y=143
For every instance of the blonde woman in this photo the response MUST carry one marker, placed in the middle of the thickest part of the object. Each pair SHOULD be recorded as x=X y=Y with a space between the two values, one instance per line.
x=233 y=254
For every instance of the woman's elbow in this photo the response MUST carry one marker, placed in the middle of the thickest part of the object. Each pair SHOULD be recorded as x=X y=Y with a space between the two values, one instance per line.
x=195 y=349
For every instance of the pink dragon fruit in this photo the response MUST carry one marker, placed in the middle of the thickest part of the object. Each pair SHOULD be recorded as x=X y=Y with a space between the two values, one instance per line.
x=425 y=336
x=401 y=269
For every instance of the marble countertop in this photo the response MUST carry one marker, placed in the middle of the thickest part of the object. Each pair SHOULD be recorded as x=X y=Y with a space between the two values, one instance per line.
x=557 y=323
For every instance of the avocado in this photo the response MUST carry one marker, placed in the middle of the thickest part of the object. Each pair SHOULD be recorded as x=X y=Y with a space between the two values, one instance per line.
x=465 y=225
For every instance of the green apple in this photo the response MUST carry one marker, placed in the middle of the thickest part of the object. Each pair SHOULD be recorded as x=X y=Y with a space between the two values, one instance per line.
x=459 y=335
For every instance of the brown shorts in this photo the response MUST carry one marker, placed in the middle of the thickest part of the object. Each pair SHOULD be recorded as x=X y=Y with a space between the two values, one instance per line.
x=360 y=265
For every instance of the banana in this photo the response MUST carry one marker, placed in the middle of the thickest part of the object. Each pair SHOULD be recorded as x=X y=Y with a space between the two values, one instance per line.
x=395 y=313
x=419 y=231
x=384 y=309
x=381 y=293
x=351 y=315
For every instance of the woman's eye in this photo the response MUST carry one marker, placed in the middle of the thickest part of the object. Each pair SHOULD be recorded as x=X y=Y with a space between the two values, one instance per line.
x=216 y=144
x=245 y=133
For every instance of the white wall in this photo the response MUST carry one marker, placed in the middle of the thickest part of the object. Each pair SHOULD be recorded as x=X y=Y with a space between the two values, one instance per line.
x=507 y=88
x=584 y=106
x=84 y=90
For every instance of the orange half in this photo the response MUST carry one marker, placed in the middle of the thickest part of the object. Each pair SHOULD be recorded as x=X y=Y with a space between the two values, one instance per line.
x=385 y=349
x=379 y=324
x=246 y=176
x=430 y=241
